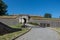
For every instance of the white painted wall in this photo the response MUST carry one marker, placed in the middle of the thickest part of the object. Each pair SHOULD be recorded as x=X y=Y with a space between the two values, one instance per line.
x=21 y=20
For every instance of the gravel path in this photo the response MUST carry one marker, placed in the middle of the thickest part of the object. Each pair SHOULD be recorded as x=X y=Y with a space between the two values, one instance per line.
x=40 y=34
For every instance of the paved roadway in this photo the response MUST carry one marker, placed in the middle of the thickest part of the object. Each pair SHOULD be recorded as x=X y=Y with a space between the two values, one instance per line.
x=40 y=34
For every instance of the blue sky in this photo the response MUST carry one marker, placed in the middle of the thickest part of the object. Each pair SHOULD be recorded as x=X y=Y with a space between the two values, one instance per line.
x=34 y=7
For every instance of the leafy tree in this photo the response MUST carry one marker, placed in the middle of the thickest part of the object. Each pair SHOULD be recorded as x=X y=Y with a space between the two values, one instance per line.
x=59 y=16
x=47 y=15
x=3 y=8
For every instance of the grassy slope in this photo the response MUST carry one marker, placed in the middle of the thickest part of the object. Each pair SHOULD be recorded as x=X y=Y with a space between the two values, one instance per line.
x=37 y=18
x=10 y=36
x=33 y=23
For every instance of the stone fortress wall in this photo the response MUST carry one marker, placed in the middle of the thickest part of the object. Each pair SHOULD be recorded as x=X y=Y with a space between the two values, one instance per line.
x=9 y=22
x=52 y=23
x=13 y=20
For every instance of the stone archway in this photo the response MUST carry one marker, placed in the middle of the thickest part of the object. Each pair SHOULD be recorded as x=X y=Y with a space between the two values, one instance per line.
x=25 y=21
x=22 y=20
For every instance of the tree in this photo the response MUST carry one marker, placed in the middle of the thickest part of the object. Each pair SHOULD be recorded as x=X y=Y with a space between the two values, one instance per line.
x=3 y=8
x=59 y=16
x=47 y=15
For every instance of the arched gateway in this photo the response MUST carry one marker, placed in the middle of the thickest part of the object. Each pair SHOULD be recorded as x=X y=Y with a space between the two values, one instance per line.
x=23 y=19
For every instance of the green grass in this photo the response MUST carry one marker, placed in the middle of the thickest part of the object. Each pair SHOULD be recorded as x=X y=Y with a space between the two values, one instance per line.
x=16 y=26
x=57 y=30
x=10 y=36
x=46 y=18
x=50 y=18
x=33 y=23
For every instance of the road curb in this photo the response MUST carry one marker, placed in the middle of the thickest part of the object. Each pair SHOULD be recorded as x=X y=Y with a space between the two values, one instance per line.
x=22 y=34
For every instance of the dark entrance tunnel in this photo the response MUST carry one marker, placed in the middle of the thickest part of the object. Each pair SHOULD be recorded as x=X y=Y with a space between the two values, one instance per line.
x=24 y=20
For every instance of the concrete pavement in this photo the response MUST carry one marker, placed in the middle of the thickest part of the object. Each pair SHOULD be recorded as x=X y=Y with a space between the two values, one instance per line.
x=40 y=34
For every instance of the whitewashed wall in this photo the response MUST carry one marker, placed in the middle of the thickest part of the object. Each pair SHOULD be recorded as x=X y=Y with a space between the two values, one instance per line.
x=21 y=20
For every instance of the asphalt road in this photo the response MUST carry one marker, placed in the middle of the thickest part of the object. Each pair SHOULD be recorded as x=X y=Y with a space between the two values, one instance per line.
x=40 y=34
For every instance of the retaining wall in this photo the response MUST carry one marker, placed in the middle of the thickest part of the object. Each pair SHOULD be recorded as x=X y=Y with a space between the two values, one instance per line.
x=53 y=23
x=9 y=22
